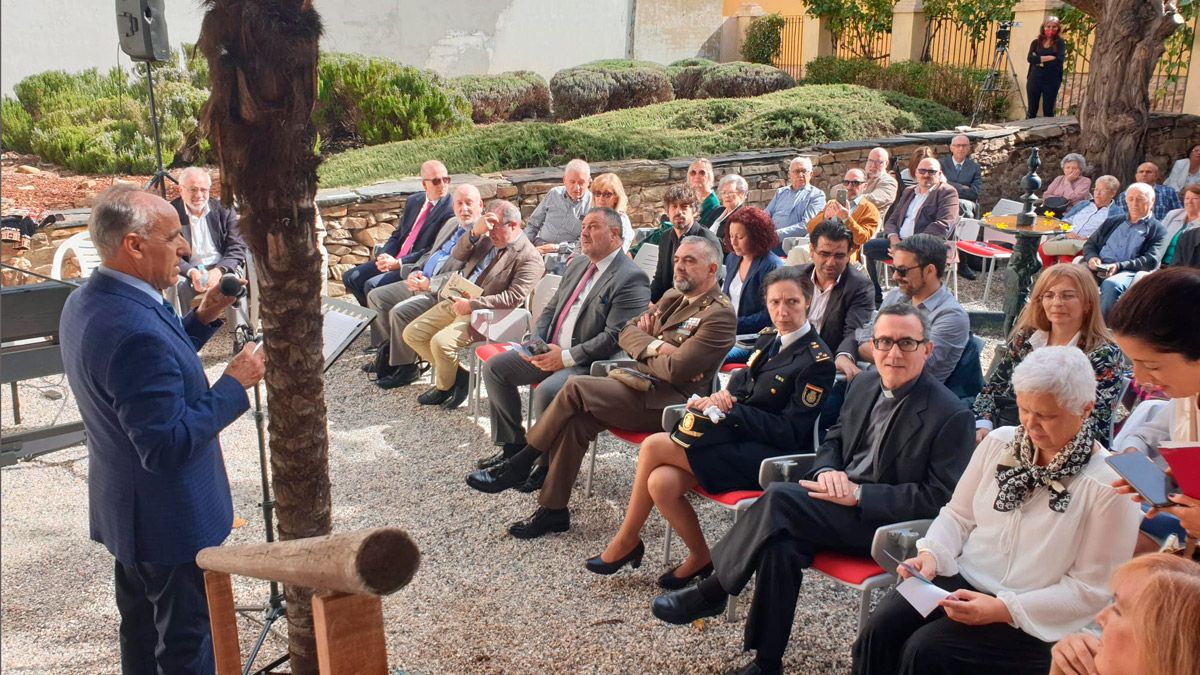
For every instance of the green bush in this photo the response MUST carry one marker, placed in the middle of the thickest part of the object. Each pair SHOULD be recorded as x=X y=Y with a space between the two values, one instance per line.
x=738 y=79
x=686 y=74
x=954 y=87
x=764 y=39
x=16 y=126
x=832 y=70
x=614 y=84
x=507 y=97
x=367 y=101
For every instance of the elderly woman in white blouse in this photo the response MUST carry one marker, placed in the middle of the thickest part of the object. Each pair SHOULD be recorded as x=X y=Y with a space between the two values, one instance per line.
x=1026 y=546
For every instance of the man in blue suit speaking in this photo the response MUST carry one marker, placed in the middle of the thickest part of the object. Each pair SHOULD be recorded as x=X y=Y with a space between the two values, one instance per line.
x=157 y=487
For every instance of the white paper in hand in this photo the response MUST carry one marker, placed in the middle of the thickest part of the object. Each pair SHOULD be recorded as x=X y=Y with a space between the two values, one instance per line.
x=921 y=594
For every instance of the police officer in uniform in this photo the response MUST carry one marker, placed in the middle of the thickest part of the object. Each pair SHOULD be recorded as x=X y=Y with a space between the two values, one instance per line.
x=679 y=344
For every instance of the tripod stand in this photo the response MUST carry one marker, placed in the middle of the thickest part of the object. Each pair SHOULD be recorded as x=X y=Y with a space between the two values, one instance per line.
x=1001 y=60
x=159 y=179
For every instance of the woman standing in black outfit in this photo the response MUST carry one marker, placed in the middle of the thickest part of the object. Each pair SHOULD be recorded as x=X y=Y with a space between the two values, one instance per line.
x=1046 y=55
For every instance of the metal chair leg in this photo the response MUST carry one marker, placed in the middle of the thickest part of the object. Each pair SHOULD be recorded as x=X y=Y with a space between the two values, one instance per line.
x=731 y=605
x=667 y=543
x=592 y=467
x=987 y=284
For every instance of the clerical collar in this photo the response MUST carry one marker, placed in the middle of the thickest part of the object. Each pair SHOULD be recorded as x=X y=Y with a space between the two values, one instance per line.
x=899 y=392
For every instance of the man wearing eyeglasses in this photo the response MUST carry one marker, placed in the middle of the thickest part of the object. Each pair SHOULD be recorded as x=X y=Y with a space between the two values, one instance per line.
x=858 y=215
x=424 y=214
x=558 y=219
x=880 y=188
x=963 y=174
x=929 y=207
x=217 y=247
x=896 y=454
x=797 y=202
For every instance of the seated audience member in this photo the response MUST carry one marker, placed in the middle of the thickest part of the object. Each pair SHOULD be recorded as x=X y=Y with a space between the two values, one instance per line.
x=881 y=188
x=1026 y=546
x=609 y=192
x=867 y=473
x=398 y=304
x=423 y=216
x=1181 y=220
x=751 y=238
x=700 y=179
x=1156 y=325
x=211 y=231
x=680 y=201
x=1166 y=198
x=964 y=175
x=1072 y=185
x=919 y=263
x=558 y=218
x=1127 y=243
x=861 y=217
x=930 y=207
x=678 y=343
x=794 y=204
x=908 y=175
x=769 y=409
x=1085 y=218
x=732 y=191
x=501 y=260
x=1185 y=171
x=1187 y=249
x=1155 y=597
x=1064 y=310
x=600 y=292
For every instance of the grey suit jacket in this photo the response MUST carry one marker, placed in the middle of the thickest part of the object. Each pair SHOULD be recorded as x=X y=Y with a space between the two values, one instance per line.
x=850 y=305
x=621 y=293
x=968 y=180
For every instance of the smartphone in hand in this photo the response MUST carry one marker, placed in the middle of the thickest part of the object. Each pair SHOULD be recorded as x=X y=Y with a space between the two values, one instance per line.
x=1146 y=478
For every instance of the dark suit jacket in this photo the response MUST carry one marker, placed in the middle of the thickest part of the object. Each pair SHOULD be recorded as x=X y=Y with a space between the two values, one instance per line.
x=752 y=306
x=222 y=227
x=1148 y=256
x=937 y=216
x=664 y=276
x=1187 y=249
x=968 y=180
x=510 y=280
x=620 y=293
x=438 y=215
x=850 y=306
x=921 y=456
x=157 y=489
x=779 y=399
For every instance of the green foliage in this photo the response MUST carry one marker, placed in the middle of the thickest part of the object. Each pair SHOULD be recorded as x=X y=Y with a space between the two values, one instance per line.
x=764 y=39
x=686 y=74
x=739 y=79
x=613 y=84
x=953 y=87
x=367 y=101
x=793 y=117
x=854 y=23
x=507 y=97
x=832 y=70
x=16 y=126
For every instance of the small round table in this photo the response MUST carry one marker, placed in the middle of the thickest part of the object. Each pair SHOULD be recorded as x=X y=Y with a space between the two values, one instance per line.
x=1024 y=263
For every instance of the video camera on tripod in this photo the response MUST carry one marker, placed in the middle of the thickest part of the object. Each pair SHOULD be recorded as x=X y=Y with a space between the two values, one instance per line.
x=1004 y=33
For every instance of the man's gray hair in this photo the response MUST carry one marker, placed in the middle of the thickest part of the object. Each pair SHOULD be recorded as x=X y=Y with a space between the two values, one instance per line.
x=196 y=171
x=739 y=184
x=1146 y=190
x=119 y=210
x=578 y=165
x=1074 y=157
x=801 y=160
x=1111 y=181
x=712 y=250
x=508 y=212
x=611 y=218
x=1064 y=372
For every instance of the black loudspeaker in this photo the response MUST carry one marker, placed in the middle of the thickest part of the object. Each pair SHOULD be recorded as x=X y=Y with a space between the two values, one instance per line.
x=142 y=30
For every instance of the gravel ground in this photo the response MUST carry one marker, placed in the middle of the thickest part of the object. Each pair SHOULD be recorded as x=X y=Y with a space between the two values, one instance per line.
x=482 y=601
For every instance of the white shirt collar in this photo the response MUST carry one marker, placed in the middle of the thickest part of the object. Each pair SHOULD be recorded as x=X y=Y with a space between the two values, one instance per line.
x=140 y=284
x=786 y=339
x=1041 y=338
x=606 y=261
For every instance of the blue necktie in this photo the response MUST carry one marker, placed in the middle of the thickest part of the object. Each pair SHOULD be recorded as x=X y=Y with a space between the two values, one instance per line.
x=774 y=348
x=171 y=309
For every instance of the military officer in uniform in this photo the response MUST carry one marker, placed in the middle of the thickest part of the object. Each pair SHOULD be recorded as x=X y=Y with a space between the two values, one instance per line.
x=679 y=345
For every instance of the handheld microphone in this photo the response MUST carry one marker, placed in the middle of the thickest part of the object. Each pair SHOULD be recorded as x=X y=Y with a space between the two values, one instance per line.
x=231 y=286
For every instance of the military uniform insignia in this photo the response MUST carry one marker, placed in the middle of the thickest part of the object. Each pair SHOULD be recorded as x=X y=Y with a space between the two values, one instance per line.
x=812 y=394
x=780 y=378
x=821 y=354
x=753 y=357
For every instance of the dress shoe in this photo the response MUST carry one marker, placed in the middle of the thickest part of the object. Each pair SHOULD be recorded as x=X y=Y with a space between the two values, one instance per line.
x=507 y=450
x=967 y=273
x=401 y=376
x=434 y=396
x=673 y=583
x=537 y=477
x=542 y=521
x=685 y=606
x=633 y=559
x=754 y=668
x=460 y=390
x=369 y=367
x=496 y=479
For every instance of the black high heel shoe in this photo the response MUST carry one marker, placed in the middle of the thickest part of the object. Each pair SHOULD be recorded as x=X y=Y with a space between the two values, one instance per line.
x=633 y=559
x=673 y=583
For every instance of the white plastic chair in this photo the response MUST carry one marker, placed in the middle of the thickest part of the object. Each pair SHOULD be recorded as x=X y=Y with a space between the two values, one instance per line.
x=968 y=232
x=85 y=252
x=1007 y=207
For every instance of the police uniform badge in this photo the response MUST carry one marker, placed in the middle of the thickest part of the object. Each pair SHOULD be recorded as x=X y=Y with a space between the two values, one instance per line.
x=811 y=396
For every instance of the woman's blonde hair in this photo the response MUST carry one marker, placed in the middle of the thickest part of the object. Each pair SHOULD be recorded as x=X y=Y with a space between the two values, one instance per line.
x=1093 y=332
x=1167 y=605
x=612 y=182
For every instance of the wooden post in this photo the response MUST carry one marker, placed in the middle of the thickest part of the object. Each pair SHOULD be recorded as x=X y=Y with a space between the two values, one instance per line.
x=349 y=632
x=223 y=620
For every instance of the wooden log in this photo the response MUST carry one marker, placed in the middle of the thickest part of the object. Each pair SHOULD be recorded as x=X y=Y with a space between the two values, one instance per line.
x=375 y=562
x=223 y=620
x=349 y=632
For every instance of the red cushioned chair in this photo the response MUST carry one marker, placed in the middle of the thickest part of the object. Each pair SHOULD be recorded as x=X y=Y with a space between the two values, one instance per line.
x=967 y=232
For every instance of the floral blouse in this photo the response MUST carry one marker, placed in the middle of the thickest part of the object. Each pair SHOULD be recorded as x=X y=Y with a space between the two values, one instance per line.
x=1106 y=359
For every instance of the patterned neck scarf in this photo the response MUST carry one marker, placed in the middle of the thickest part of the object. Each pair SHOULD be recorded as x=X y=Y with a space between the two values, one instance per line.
x=1019 y=476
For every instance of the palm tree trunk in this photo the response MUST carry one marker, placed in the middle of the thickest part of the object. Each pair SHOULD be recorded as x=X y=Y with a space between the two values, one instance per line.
x=262 y=55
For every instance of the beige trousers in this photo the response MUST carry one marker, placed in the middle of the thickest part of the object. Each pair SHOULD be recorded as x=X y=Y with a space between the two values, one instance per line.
x=438 y=335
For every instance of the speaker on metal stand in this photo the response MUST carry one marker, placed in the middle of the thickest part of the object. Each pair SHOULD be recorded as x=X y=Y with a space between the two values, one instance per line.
x=142 y=32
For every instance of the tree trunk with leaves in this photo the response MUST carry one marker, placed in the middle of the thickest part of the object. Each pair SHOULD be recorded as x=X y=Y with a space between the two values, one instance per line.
x=262 y=56
x=1115 y=112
